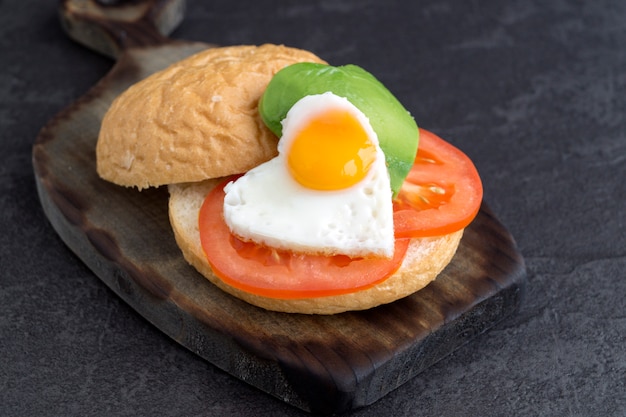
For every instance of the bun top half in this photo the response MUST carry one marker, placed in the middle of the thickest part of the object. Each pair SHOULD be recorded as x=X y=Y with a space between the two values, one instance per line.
x=195 y=120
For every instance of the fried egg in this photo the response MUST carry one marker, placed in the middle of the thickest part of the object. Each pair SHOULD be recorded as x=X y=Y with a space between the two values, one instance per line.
x=327 y=192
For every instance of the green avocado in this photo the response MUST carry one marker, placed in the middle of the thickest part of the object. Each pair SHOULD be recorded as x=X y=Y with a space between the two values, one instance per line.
x=397 y=131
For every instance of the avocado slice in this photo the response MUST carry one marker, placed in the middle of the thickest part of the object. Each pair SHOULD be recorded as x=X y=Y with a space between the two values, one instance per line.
x=397 y=131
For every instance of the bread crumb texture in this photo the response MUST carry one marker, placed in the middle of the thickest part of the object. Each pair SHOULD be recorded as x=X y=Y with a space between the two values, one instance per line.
x=195 y=120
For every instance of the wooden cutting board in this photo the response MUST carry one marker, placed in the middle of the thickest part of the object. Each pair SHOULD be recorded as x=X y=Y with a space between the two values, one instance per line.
x=322 y=364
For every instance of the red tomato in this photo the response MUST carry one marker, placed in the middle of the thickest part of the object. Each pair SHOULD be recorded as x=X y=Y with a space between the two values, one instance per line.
x=281 y=274
x=441 y=194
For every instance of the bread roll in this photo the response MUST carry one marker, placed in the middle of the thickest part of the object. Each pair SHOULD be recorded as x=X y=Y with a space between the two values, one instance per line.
x=425 y=259
x=194 y=120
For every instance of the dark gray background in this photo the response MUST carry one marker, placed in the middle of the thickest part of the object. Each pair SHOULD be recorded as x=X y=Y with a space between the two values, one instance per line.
x=533 y=91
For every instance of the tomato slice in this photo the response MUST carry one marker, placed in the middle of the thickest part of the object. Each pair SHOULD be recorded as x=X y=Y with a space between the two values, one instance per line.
x=282 y=274
x=441 y=194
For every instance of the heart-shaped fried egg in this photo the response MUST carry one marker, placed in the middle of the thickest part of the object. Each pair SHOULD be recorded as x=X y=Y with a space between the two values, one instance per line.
x=327 y=192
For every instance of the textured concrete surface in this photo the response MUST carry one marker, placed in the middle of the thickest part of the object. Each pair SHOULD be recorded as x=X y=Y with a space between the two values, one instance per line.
x=534 y=92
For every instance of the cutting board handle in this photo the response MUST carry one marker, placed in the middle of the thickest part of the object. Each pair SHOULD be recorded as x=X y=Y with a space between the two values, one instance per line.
x=111 y=26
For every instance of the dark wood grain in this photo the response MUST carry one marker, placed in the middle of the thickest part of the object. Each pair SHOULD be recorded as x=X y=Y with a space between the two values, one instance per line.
x=323 y=364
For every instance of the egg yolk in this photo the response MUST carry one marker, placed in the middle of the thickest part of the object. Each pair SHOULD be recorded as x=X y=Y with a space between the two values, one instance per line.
x=331 y=152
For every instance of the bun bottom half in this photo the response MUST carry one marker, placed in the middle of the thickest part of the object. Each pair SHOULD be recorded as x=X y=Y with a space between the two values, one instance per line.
x=425 y=259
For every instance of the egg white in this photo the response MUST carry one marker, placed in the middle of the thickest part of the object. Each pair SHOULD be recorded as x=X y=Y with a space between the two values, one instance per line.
x=268 y=206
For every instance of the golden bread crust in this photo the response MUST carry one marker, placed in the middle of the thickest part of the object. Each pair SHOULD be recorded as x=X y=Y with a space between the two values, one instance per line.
x=426 y=258
x=195 y=120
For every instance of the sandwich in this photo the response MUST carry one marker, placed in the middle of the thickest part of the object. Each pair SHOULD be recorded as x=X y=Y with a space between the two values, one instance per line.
x=294 y=185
